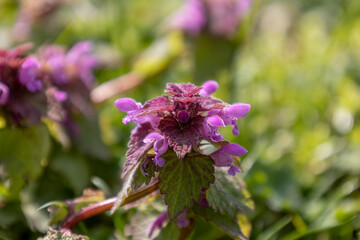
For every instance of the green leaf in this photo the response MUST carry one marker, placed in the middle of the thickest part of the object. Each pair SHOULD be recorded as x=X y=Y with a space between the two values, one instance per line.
x=139 y=179
x=24 y=152
x=226 y=222
x=171 y=231
x=183 y=180
x=73 y=168
x=228 y=194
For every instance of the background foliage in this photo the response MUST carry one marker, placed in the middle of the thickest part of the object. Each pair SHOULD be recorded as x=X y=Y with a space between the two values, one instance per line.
x=296 y=62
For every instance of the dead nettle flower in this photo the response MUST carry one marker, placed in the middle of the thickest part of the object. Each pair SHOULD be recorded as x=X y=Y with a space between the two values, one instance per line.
x=70 y=75
x=66 y=67
x=52 y=83
x=219 y=17
x=22 y=98
x=182 y=222
x=185 y=120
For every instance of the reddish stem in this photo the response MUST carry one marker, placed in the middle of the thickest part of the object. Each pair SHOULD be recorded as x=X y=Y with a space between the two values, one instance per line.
x=106 y=205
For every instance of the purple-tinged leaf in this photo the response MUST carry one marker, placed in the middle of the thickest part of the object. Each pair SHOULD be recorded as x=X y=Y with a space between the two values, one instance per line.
x=156 y=105
x=182 y=89
x=181 y=137
x=137 y=147
x=210 y=103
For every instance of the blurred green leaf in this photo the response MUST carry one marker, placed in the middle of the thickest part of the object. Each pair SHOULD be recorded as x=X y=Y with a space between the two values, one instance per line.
x=225 y=221
x=170 y=231
x=24 y=153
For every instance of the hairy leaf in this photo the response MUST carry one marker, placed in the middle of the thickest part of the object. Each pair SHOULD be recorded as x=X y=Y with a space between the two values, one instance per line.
x=226 y=222
x=228 y=194
x=155 y=105
x=181 y=137
x=183 y=180
x=137 y=148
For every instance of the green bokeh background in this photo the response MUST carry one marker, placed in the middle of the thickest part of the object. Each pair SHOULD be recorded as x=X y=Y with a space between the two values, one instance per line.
x=296 y=62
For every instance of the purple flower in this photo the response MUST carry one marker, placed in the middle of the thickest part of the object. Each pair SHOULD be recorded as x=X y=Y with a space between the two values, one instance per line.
x=160 y=147
x=22 y=100
x=4 y=93
x=209 y=87
x=77 y=63
x=219 y=17
x=61 y=96
x=182 y=220
x=210 y=128
x=130 y=107
x=179 y=122
x=163 y=217
x=158 y=223
x=191 y=17
x=225 y=156
x=28 y=75
x=231 y=113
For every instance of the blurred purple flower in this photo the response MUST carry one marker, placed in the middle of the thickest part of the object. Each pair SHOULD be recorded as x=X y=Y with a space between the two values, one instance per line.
x=77 y=63
x=182 y=220
x=28 y=75
x=22 y=100
x=219 y=17
x=191 y=17
x=158 y=223
x=4 y=93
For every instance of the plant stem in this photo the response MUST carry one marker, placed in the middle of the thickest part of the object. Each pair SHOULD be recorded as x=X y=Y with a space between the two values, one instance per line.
x=106 y=205
x=115 y=86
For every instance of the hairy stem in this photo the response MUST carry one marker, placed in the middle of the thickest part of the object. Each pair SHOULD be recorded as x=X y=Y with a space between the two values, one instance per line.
x=106 y=205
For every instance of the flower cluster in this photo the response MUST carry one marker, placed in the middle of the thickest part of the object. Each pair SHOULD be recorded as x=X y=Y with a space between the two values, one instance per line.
x=48 y=84
x=22 y=97
x=185 y=120
x=219 y=17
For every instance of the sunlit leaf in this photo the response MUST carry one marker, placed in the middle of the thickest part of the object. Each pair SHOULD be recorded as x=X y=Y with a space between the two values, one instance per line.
x=183 y=180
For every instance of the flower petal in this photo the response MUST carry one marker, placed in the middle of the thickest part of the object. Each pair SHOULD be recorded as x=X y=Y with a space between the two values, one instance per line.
x=182 y=220
x=4 y=93
x=126 y=104
x=158 y=223
x=215 y=121
x=161 y=146
x=238 y=110
x=159 y=161
x=152 y=137
x=233 y=170
x=60 y=96
x=28 y=70
x=234 y=149
x=209 y=87
x=221 y=158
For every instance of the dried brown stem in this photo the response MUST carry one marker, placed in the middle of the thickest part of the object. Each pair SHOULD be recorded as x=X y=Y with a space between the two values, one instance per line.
x=106 y=205
x=115 y=86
